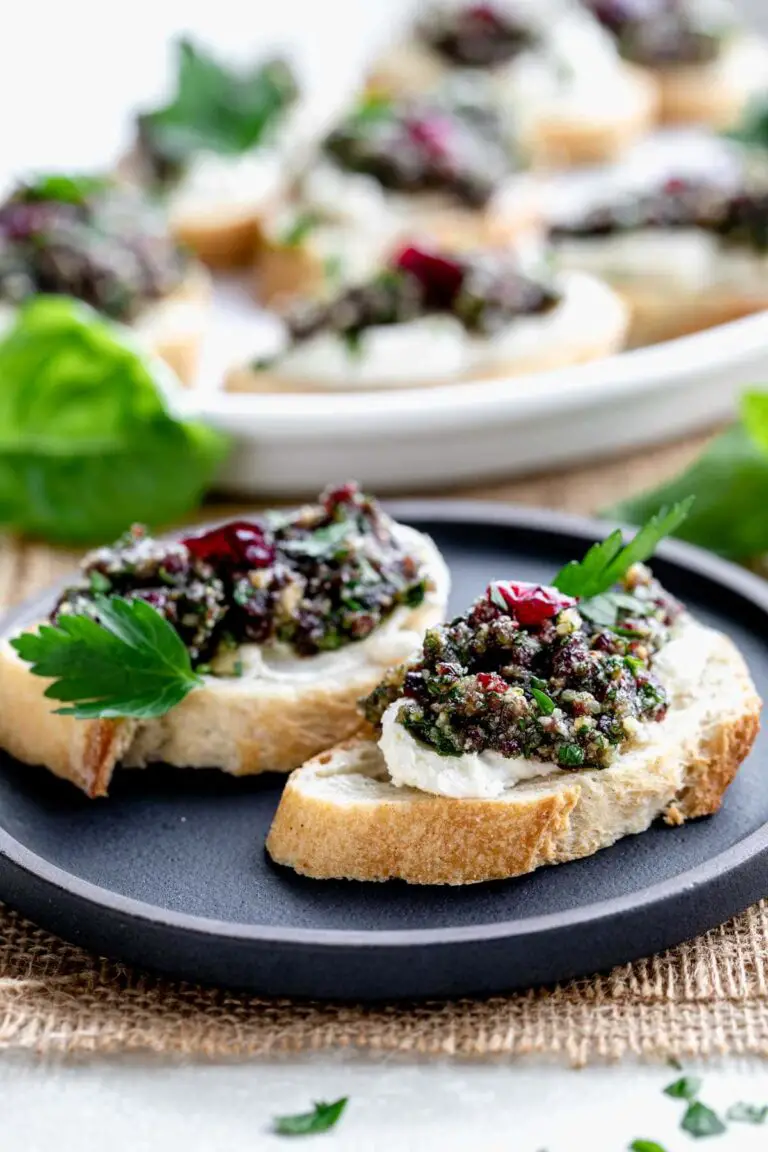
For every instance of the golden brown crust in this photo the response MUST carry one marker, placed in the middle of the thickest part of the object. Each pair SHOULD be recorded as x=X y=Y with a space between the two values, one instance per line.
x=363 y=828
x=228 y=242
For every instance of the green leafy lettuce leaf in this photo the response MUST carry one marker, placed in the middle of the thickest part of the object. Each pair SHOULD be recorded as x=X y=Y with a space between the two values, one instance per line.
x=87 y=444
x=126 y=660
x=609 y=559
x=320 y=1119
x=730 y=483
x=216 y=109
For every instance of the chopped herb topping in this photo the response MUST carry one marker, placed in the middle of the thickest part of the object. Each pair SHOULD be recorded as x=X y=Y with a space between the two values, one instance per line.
x=646 y=1146
x=413 y=146
x=743 y=1113
x=686 y=1088
x=315 y=580
x=81 y=236
x=700 y=1121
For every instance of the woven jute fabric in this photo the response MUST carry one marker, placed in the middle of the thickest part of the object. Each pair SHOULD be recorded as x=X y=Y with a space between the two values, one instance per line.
x=706 y=998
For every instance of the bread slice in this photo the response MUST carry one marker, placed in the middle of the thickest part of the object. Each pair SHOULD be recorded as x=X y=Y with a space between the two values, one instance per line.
x=340 y=816
x=173 y=328
x=589 y=324
x=242 y=725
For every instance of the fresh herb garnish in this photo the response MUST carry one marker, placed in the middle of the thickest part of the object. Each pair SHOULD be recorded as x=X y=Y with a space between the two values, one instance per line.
x=64 y=188
x=321 y=542
x=216 y=109
x=353 y=342
x=609 y=559
x=747 y=1113
x=571 y=756
x=730 y=483
x=320 y=1119
x=125 y=660
x=645 y=1146
x=545 y=702
x=299 y=229
x=700 y=1121
x=87 y=443
x=686 y=1088
x=752 y=128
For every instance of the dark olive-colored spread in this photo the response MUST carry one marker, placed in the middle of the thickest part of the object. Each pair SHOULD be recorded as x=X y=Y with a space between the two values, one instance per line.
x=476 y=35
x=736 y=217
x=484 y=290
x=664 y=33
x=86 y=238
x=445 y=145
x=315 y=579
x=532 y=673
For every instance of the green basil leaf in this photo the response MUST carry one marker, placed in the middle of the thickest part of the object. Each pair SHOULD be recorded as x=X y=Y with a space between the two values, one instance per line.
x=320 y=1119
x=215 y=108
x=87 y=444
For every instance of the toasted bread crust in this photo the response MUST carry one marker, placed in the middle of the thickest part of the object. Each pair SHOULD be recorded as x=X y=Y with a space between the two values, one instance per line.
x=228 y=242
x=656 y=316
x=428 y=839
x=242 y=727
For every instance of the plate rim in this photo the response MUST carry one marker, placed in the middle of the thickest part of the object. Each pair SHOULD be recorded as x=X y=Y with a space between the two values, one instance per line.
x=713 y=870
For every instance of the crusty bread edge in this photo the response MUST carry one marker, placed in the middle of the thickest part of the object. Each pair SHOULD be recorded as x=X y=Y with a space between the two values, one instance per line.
x=440 y=840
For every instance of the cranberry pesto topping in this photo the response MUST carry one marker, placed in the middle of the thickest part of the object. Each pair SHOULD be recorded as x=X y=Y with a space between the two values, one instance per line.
x=529 y=672
x=416 y=146
x=664 y=33
x=315 y=579
x=737 y=217
x=85 y=238
x=476 y=35
x=484 y=290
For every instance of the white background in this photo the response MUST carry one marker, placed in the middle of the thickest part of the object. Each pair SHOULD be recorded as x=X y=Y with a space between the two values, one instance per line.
x=70 y=73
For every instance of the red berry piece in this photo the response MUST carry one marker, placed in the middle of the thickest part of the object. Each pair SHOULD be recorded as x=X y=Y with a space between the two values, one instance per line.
x=529 y=603
x=238 y=544
x=490 y=682
x=440 y=277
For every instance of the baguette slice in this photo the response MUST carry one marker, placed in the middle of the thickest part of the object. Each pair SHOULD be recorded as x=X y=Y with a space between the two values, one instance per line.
x=243 y=726
x=341 y=817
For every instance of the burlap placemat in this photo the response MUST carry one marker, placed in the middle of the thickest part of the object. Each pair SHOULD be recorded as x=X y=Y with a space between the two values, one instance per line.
x=708 y=997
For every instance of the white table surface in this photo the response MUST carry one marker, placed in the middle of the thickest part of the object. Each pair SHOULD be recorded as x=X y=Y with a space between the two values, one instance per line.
x=69 y=76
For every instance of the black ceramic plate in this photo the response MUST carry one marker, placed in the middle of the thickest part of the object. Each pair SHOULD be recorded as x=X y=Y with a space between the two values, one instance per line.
x=170 y=872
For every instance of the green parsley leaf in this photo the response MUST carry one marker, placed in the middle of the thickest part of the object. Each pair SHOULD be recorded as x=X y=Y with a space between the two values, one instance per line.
x=752 y=127
x=686 y=1088
x=320 y=1119
x=125 y=660
x=216 y=109
x=545 y=703
x=645 y=1146
x=730 y=483
x=604 y=609
x=608 y=560
x=299 y=229
x=98 y=582
x=326 y=541
x=87 y=443
x=635 y=665
x=571 y=756
x=700 y=1121
x=747 y=1113
x=64 y=188
x=353 y=342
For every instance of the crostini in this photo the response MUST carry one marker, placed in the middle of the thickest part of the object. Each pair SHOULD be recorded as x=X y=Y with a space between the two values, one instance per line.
x=704 y=65
x=685 y=254
x=87 y=237
x=550 y=69
x=243 y=648
x=218 y=153
x=442 y=167
x=538 y=728
x=432 y=316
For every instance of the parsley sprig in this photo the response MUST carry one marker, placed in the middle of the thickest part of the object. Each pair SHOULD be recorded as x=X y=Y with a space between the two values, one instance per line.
x=609 y=559
x=125 y=660
x=320 y=1119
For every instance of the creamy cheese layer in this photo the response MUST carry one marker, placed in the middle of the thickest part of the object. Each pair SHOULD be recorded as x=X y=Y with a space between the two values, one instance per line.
x=692 y=259
x=438 y=347
x=216 y=186
x=679 y=666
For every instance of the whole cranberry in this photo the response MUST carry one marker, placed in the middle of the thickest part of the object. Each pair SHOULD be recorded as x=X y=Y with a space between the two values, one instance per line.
x=439 y=277
x=239 y=544
x=529 y=603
